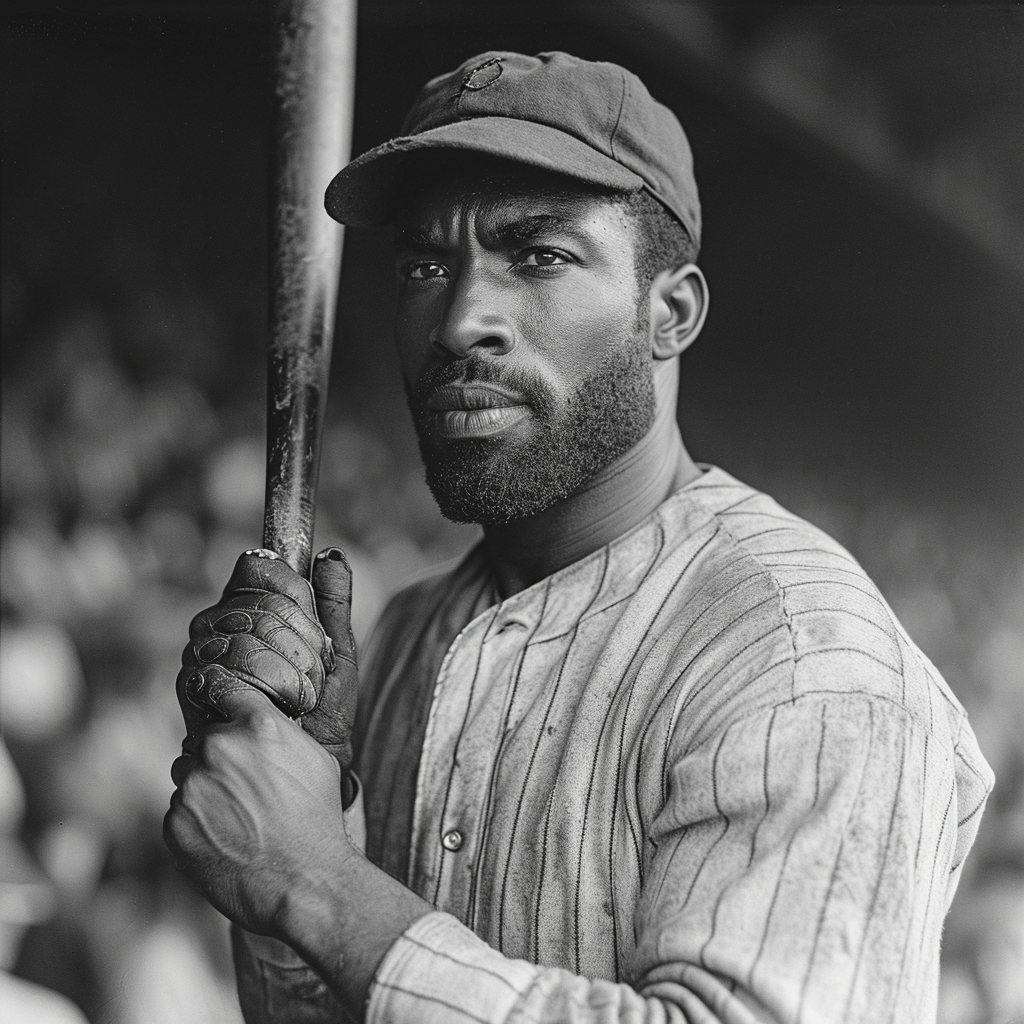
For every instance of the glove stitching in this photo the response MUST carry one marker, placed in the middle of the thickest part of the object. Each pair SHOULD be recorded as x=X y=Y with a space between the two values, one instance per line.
x=251 y=682
x=318 y=659
x=282 y=623
x=304 y=682
x=298 y=608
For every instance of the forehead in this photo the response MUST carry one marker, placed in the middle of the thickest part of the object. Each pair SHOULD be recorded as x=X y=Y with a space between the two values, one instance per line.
x=440 y=196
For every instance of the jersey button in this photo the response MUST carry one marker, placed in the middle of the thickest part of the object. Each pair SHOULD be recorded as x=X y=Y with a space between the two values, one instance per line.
x=452 y=840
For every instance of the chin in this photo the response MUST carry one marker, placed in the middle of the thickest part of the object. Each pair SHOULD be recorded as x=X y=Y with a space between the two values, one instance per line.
x=492 y=495
x=458 y=510
x=492 y=483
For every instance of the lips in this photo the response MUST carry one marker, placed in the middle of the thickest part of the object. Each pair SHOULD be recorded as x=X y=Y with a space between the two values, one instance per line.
x=471 y=396
x=474 y=410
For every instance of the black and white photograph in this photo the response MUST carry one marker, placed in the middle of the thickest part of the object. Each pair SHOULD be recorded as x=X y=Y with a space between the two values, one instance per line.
x=512 y=513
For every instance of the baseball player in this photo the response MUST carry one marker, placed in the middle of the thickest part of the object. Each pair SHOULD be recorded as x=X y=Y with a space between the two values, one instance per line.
x=656 y=749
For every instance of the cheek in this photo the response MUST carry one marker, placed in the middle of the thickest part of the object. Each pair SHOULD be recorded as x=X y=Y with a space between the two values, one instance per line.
x=414 y=323
x=574 y=331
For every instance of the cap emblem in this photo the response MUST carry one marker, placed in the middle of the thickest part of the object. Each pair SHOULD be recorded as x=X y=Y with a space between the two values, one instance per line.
x=482 y=75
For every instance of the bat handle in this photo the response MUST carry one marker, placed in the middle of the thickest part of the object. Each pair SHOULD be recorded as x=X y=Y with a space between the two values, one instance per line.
x=295 y=409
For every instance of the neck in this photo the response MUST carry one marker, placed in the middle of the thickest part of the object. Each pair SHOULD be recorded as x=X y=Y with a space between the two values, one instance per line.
x=618 y=498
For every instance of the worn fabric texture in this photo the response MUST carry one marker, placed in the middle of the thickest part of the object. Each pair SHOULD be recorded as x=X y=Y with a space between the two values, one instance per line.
x=700 y=775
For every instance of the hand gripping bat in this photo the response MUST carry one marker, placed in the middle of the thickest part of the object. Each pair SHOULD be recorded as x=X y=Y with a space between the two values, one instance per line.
x=314 y=88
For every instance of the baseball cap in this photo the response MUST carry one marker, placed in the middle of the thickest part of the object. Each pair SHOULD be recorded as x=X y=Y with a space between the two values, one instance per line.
x=590 y=120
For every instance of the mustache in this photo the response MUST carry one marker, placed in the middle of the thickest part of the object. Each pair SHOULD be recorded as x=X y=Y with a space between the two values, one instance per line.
x=480 y=371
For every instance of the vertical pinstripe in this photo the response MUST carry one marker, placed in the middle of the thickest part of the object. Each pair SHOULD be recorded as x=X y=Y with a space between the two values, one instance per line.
x=700 y=775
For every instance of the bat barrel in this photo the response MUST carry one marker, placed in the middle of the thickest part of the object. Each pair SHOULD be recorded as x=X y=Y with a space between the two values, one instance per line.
x=314 y=89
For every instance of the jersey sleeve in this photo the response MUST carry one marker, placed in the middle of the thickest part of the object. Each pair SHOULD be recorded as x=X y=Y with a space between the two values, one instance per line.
x=799 y=871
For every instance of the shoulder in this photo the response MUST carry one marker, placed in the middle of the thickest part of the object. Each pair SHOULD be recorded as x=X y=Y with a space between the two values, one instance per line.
x=813 y=635
x=805 y=618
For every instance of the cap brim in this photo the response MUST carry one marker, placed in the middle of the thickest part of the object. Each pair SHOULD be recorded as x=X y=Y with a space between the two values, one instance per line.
x=363 y=193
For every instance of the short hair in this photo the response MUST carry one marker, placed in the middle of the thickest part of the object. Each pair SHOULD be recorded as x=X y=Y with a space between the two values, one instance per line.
x=662 y=243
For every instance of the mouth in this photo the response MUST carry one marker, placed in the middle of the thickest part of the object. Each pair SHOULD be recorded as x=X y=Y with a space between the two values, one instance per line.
x=474 y=410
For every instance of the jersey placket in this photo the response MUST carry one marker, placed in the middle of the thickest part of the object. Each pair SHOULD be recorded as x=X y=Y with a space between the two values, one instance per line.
x=461 y=746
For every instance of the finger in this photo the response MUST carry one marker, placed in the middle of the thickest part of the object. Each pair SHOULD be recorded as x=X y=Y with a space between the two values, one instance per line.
x=242 y=704
x=236 y=638
x=262 y=670
x=259 y=569
x=230 y=695
x=276 y=675
x=182 y=767
x=332 y=589
x=270 y=635
x=192 y=744
x=236 y=612
x=195 y=712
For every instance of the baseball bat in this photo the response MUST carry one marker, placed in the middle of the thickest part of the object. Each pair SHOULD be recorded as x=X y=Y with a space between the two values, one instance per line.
x=314 y=86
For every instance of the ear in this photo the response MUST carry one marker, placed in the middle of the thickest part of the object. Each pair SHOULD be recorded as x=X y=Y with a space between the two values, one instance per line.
x=679 y=306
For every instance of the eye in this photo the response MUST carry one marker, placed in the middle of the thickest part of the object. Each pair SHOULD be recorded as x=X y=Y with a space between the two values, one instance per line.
x=425 y=270
x=544 y=258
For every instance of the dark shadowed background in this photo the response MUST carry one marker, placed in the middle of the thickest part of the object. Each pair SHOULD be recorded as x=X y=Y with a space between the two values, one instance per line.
x=861 y=174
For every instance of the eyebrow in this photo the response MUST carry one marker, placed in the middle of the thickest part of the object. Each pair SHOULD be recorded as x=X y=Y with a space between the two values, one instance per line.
x=417 y=239
x=510 y=234
x=533 y=227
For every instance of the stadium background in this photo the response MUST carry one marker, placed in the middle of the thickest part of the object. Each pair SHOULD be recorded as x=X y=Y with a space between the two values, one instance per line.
x=860 y=172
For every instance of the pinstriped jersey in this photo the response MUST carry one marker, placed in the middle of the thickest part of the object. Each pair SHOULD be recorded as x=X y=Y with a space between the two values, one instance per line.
x=701 y=774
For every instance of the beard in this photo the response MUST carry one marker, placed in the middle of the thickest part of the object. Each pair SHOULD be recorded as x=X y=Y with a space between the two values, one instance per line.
x=497 y=480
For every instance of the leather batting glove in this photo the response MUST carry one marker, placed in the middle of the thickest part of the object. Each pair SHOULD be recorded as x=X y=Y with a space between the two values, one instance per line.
x=292 y=640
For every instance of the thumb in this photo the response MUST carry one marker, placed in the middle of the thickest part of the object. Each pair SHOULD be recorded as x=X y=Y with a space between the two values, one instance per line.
x=332 y=589
x=231 y=697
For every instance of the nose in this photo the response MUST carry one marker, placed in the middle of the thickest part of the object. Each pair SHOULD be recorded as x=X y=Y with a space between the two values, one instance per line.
x=475 y=320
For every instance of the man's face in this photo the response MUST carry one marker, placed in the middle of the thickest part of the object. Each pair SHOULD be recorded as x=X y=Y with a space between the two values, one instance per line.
x=525 y=357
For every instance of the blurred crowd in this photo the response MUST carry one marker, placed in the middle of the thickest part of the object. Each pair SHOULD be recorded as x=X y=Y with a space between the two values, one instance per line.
x=127 y=495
